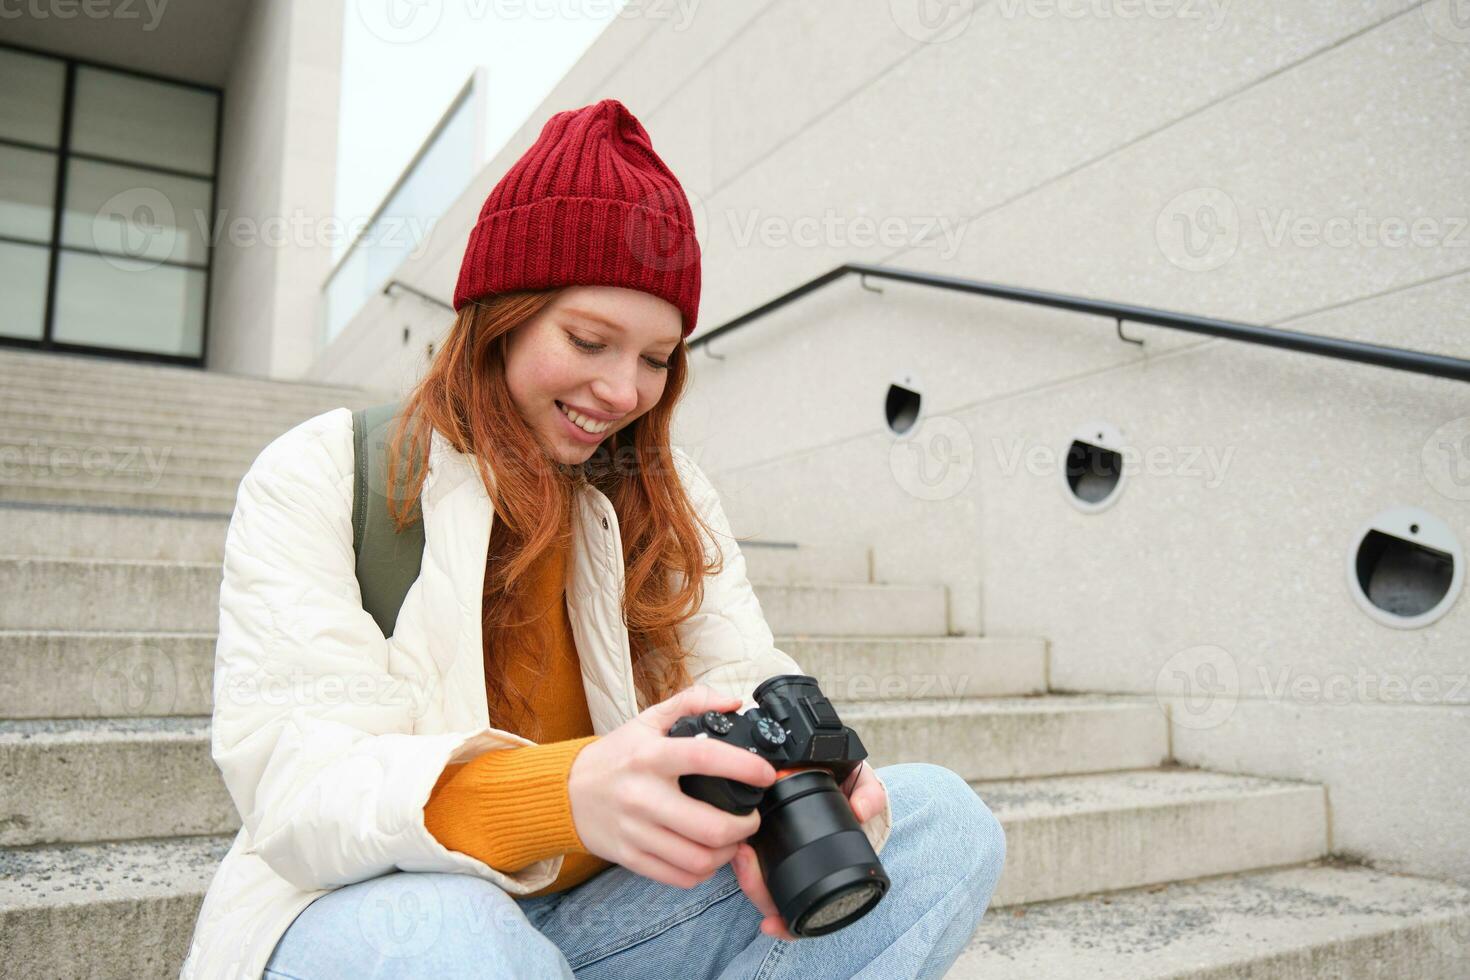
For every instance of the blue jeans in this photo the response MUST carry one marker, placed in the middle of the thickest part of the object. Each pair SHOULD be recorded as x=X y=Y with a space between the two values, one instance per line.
x=943 y=856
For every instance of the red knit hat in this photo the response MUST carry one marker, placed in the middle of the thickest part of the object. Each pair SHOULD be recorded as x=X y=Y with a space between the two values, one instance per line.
x=588 y=204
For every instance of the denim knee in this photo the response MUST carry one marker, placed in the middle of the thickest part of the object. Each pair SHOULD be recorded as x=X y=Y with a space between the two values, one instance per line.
x=450 y=925
x=965 y=830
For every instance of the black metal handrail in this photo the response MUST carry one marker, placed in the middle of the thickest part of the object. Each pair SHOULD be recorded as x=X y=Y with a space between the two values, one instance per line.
x=1419 y=362
x=393 y=284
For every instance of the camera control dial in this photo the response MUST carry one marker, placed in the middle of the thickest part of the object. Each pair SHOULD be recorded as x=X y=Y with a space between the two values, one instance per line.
x=767 y=731
x=716 y=722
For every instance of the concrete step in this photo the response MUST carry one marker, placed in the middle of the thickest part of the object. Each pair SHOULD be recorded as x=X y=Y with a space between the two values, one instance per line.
x=117 y=673
x=70 y=447
x=1014 y=738
x=56 y=530
x=210 y=400
x=114 y=495
x=843 y=609
x=77 y=531
x=223 y=413
x=1071 y=835
x=104 y=468
x=866 y=668
x=117 y=594
x=82 y=780
x=79 y=370
x=1317 y=921
x=144 y=428
x=74 y=674
x=108 y=594
x=104 y=910
x=161 y=780
x=796 y=563
x=112 y=435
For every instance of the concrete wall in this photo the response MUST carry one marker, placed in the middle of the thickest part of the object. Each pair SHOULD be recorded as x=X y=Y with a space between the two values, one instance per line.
x=278 y=160
x=1148 y=153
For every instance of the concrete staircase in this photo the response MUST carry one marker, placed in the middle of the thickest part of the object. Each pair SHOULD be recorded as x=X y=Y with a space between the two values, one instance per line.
x=113 y=816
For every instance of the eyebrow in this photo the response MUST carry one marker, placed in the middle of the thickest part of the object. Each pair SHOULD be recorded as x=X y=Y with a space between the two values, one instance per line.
x=594 y=318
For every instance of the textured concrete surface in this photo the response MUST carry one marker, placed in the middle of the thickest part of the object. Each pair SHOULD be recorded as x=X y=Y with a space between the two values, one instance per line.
x=1295 y=924
x=1005 y=738
x=82 y=780
x=1070 y=835
x=95 y=910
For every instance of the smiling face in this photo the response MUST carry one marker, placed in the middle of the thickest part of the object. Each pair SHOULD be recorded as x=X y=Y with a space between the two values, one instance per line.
x=595 y=350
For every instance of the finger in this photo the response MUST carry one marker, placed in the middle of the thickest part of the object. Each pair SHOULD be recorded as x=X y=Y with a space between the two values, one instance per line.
x=752 y=882
x=697 y=820
x=711 y=757
x=693 y=700
x=682 y=853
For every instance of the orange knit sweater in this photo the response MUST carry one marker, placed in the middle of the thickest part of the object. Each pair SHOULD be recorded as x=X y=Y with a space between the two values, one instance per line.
x=509 y=807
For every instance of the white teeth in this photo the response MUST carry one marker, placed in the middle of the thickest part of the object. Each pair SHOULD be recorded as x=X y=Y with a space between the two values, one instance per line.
x=583 y=422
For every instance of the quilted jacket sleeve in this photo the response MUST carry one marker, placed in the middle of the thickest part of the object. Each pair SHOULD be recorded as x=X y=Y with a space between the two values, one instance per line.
x=732 y=647
x=314 y=710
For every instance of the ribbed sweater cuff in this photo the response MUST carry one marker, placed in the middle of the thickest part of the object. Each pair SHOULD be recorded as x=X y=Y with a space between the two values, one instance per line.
x=508 y=807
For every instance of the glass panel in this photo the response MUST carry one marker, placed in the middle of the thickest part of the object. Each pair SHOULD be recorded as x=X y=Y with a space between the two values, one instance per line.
x=131 y=304
x=27 y=186
x=31 y=92
x=143 y=121
x=137 y=213
x=23 y=271
x=406 y=218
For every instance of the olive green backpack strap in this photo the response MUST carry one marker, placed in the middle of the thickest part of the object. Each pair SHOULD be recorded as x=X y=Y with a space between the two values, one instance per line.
x=388 y=561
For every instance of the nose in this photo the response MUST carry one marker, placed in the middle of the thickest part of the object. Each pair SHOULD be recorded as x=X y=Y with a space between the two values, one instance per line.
x=618 y=389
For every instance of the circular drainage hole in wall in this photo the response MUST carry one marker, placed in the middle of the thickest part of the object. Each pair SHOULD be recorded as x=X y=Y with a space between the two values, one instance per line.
x=1406 y=568
x=901 y=407
x=1094 y=468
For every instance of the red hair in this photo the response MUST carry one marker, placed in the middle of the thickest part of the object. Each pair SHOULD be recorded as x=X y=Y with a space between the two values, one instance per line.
x=465 y=396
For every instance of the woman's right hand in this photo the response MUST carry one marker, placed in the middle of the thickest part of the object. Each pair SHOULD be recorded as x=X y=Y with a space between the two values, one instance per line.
x=629 y=809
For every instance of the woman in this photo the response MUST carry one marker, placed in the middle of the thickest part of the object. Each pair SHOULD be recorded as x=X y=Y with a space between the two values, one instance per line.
x=579 y=587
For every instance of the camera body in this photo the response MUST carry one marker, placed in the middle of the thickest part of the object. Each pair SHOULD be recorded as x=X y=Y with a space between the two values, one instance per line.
x=792 y=726
x=818 y=864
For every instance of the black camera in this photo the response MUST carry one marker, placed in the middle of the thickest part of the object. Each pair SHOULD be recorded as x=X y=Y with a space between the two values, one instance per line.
x=817 y=862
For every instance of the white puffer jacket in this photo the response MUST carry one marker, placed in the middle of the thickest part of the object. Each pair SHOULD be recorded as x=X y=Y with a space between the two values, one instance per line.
x=330 y=737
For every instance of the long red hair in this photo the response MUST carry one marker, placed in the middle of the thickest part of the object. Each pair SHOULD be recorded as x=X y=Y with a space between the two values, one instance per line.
x=465 y=396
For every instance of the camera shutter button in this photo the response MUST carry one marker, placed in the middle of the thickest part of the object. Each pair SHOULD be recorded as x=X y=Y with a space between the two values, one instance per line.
x=717 y=723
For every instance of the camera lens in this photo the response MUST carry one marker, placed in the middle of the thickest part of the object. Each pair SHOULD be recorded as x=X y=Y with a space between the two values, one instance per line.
x=820 y=869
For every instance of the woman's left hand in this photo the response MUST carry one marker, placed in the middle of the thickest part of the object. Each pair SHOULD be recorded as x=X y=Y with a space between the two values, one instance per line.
x=866 y=796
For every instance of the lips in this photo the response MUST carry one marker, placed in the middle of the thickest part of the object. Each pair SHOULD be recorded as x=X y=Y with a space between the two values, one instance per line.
x=577 y=432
